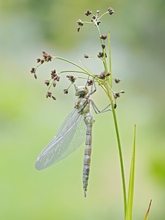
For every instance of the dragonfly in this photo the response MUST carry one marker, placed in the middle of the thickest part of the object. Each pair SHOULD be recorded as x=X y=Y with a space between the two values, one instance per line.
x=75 y=130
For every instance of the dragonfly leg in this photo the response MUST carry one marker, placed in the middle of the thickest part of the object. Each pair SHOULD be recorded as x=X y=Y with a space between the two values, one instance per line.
x=97 y=111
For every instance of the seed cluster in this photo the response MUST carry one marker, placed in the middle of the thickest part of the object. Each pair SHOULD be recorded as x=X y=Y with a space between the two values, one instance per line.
x=94 y=18
x=71 y=78
x=45 y=58
x=54 y=76
x=103 y=75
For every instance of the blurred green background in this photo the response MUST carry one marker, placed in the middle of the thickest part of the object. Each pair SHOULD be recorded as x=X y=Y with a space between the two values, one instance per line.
x=28 y=121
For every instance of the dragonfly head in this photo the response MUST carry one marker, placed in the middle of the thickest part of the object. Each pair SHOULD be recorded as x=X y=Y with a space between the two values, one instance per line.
x=81 y=91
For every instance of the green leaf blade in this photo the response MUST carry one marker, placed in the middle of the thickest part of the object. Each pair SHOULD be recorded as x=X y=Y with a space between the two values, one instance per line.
x=131 y=180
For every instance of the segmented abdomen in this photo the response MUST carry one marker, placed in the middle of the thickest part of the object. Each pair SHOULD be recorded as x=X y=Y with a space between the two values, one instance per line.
x=87 y=157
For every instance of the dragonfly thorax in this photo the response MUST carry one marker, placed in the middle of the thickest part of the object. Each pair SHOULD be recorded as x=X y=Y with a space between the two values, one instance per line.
x=83 y=106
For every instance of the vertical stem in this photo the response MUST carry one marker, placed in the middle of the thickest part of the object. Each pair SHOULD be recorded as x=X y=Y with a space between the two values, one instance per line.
x=121 y=159
x=110 y=59
x=119 y=149
x=103 y=50
x=116 y=127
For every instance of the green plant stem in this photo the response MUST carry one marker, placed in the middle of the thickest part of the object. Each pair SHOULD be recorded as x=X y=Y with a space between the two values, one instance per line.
x=103 y=50
x=109 y=58
x=103 y=15
x=111 y=98
x=109 y=93
x=84 y=71
x=71 y=71
x=121 y=159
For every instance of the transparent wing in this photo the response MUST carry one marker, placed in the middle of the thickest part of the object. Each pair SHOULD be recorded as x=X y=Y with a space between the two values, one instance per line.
x=70 y=136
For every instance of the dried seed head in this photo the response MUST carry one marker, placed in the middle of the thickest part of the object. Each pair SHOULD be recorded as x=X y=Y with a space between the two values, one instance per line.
x=57 y=78
x=111 y=11
x=80 y=22
x=98 y=11
x=108 y=74
x=87 y=13
x=65 y=91
x=98 y=22
x=54 y=84
x=103 y=46
x=103 y=75
x=86 y=56
x=53 y=97
x=103 y=36
x=53 y=74
x=48 y=94
x=42 y=61
x=38 y=60
x=117 y=80
x=71 y=78
x=47 y=57
x=78 y=29
x=47 y=82
x=93 y=17
x=53 y=71
x=44 y=54
x=33 y=70
x=100 y=55
x=116 y=95
x=35 y=76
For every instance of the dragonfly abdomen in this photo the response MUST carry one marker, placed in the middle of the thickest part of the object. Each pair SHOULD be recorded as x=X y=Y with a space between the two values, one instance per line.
x=87 y=157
